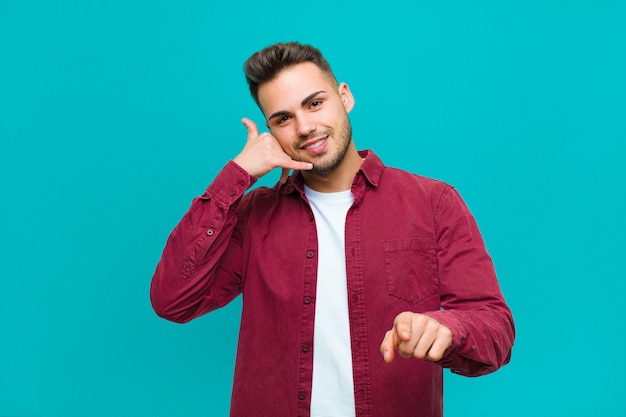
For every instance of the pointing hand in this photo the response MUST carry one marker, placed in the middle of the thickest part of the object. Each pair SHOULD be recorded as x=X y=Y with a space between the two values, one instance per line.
x=416 y=335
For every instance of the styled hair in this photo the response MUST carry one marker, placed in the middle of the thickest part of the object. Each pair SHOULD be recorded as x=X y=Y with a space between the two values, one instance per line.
x=263 y=66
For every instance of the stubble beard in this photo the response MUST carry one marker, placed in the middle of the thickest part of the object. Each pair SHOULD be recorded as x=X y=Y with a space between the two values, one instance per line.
x=343 y=144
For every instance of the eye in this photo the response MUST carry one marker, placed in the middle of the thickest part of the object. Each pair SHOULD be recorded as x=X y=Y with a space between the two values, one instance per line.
x=315 y=104
x=282 y=120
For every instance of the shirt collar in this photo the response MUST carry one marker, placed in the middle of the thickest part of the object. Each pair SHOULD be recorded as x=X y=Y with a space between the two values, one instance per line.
x=371 y=169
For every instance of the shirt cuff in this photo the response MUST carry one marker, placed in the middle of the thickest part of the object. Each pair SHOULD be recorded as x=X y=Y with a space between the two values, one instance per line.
x=230 y=184
x=452 y=323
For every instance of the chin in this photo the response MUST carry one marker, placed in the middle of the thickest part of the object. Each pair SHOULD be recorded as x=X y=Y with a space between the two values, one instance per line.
x=320 y=170
x=325 y=167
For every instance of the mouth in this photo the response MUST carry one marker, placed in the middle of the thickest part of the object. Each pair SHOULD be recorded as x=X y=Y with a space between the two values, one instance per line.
x=314 y=144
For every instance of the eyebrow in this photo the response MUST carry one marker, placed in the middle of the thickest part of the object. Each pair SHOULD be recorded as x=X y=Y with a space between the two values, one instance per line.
x=302 y=103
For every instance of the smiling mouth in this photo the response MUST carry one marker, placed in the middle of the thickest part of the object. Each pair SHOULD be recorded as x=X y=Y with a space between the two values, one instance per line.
x=315 y=144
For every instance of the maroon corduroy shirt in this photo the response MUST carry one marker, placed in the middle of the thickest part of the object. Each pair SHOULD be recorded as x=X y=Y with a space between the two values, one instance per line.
x=411 y=245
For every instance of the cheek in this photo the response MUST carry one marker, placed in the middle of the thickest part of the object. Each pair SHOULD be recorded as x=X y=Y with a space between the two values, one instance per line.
x=336 y=113
x=285 y=139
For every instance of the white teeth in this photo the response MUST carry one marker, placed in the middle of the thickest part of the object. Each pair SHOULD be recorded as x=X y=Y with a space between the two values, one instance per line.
x=315 y=145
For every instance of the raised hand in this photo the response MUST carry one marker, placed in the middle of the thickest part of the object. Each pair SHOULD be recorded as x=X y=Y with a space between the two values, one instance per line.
x=263 y=153
x=416 y=335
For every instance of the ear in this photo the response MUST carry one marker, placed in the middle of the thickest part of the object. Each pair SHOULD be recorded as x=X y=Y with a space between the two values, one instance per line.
x=346 y=97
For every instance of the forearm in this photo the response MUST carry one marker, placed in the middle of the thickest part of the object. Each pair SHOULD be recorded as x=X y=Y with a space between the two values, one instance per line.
x=200 y=250
x=473 y=306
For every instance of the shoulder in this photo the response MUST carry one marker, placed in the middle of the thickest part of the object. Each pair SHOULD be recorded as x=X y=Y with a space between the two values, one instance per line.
x=377 y=173
x=399 y=180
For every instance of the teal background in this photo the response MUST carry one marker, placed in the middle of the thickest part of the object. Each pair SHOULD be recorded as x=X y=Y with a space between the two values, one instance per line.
x=115 y=114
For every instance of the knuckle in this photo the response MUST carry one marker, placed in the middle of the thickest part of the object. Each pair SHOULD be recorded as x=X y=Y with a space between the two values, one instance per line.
x=401 y=317
x=420 y=319
x=405 y=353
x=446 y=332
x=433 y=325
x=418 y=354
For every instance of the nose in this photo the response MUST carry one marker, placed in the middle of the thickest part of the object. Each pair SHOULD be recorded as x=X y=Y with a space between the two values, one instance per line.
x=305 y=125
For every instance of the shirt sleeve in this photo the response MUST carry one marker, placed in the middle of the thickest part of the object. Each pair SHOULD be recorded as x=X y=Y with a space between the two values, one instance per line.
x=473 y=306
x=200 y=268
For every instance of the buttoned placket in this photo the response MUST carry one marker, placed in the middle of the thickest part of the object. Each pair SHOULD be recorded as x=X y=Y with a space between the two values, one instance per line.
x=356 y=303
x=305 y=370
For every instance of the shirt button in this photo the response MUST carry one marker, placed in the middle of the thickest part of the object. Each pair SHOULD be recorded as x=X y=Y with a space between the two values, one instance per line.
x=209 y=232
x=302 y=395
x=305 y=348
x=309 y=254
x=231 y=193
x=307 y=300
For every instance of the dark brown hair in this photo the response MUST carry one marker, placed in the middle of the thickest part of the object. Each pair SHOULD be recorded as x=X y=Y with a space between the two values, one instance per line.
x=264 y=65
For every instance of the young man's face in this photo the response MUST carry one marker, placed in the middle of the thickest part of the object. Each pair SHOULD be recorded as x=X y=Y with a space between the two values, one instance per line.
x=307 y=113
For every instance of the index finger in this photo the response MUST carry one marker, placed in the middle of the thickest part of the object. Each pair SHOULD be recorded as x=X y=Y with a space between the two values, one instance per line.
x=399 y=333
x=253 y=131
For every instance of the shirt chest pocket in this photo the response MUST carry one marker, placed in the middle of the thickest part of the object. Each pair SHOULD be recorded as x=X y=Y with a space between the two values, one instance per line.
x=411 y=269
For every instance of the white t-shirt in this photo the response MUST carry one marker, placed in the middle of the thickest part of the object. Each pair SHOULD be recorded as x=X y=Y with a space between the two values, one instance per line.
x=333 y=385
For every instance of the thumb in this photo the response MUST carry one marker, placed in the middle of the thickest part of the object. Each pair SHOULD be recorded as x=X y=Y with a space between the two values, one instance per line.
x=253 y=131
x=402 y=326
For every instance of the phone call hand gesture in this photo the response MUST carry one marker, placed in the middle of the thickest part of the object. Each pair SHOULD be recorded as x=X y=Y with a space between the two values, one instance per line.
x=263 y=153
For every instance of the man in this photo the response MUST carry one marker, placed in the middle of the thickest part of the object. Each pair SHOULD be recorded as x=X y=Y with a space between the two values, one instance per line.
x=342 y=265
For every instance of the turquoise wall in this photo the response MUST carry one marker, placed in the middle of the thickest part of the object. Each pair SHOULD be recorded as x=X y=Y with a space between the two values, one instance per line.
x=115 y=114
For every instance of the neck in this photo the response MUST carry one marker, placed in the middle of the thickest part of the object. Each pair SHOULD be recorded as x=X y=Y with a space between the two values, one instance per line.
x=340 y=178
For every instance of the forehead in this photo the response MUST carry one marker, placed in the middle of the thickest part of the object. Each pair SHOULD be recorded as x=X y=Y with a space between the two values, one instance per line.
x=291 y=85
